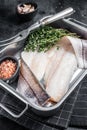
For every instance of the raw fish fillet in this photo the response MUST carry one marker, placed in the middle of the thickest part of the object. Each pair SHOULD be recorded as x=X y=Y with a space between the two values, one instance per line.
x=32 y=81
x=56 y=67
x=53 y=63
x=37 y=62
x=60 y=72
x=24 y=88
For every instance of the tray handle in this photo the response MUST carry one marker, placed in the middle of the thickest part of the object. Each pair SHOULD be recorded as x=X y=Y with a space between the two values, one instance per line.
x=9 y=89
x=72 y=20
x=79 y=27
x=13 y=114
x=76 y=23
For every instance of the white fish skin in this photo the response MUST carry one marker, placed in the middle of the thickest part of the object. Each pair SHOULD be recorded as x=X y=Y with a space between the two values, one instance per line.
x=80 y=48
x=58 y=84
x=53 y=63
x=28 y=57
x=56 y=57
x=36 y=61
x=39 y=64
x=51 y=52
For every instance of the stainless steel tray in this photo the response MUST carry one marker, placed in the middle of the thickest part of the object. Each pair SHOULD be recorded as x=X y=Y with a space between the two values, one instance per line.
x=74 y=26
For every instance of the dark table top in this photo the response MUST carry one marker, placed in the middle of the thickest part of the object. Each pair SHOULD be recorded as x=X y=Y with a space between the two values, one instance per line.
x=6 y=124
x=54 y=6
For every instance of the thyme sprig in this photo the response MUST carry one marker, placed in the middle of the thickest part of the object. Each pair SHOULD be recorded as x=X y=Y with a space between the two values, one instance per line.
x=44 y=38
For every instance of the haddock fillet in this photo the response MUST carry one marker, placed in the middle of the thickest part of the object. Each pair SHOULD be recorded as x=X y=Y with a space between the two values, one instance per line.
x=58 y=82
x=24 y=88
x=37 y=62
x=56 y=67
x=53 y=63
x=32 y=81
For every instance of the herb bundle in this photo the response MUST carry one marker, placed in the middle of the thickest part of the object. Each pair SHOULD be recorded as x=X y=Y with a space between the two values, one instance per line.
x=44 y=38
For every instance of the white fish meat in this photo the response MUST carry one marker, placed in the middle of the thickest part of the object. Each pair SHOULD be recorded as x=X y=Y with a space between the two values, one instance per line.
x=56 y=67
x=28 y=57
x=37 y=62
x=53 y=63
x=33 y=83
x=57 y=83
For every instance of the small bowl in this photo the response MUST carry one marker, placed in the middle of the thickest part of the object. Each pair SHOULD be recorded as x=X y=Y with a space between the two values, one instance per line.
x=16 y=73
x=26 y=15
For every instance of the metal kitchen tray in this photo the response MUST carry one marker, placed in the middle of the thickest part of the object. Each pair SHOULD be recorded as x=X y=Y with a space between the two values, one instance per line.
x=74 y=26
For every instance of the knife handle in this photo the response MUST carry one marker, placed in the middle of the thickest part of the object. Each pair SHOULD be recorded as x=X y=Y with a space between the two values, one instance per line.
x=58 y=16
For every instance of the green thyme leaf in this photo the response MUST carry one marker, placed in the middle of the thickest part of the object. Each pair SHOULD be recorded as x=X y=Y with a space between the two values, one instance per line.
x=44 y=38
